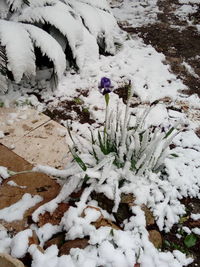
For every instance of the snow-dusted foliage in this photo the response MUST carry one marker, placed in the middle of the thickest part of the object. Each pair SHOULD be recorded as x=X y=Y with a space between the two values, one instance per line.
x=121 y=157
x=62 y=30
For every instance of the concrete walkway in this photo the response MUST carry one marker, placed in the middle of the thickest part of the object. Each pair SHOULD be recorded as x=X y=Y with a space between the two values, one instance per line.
x=34 y=136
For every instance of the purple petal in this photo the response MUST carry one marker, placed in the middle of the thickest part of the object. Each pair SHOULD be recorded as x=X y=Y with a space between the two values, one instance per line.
x=106 y=91
x=105 y=82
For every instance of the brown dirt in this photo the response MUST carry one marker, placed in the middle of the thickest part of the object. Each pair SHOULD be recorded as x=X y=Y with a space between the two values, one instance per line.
x=70 y=110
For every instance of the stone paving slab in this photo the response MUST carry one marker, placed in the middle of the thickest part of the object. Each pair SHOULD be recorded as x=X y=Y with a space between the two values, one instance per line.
x=34 y=136
x=16 y=123
x=33 y=183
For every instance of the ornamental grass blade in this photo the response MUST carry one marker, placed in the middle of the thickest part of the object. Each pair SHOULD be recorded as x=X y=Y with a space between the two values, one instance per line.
x=93 y=143
x=101 y=144
x=169 y=132
x=78 y=160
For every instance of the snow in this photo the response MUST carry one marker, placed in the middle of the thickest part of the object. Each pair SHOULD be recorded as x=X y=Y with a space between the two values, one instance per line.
x=12 y=183
x=21 y=61
x=152 y=79
x=136 y=13
x=17 y=210
x=133 y=61
x=106 y=252
x=5 y=240
x=4 y=9
x=49 y=47
x=186 y=229
x=1 y=134
x=182 y=258
x=82 y=40
x=195 y=217
x=45 y=232
x=19 y=248
x=185 y=10
x=196 y=230
x=190 y=69
x=4 y=172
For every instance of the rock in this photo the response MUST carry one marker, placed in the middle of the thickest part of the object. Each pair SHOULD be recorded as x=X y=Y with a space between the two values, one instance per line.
x=12 y=161
x=105 y=222
x=32 y=183
x=122 y=213
x=33 y=239
x=148 y=215
x=156 y=238
x=127 y=199
x=58 y=240
x=77 y=243
x=7 y=261
x=55 y=217
x=95 y=209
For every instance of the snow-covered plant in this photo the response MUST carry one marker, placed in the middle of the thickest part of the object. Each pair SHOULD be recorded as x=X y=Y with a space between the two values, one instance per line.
x=141 y=149
x=120 y=153
x=63 y=31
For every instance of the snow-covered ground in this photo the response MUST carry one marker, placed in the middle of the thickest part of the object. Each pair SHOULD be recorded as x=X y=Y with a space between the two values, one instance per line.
x=152 y=80
x=137 y=13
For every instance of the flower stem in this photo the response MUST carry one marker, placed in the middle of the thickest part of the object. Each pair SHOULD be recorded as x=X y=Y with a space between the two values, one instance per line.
x=106 y=117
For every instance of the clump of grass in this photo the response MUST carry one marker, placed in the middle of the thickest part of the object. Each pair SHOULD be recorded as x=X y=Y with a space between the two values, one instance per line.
x=141 y=149
x=120 y=149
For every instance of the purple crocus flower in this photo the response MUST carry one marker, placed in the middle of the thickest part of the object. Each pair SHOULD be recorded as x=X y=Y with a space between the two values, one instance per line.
x=105 y=86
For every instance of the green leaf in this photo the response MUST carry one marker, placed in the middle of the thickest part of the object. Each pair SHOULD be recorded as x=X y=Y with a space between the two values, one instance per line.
x=190 y=240
x=78 y=101
x=93 y=143
x=78 y=160
x=169 y=132
x=102 y=147
x=174 y=155
x=133 y=163
x=86 y=178
x=112 y=232
x=167 y=243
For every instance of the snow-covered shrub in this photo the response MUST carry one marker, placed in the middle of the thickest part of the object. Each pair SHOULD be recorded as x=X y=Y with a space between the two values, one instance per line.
x=120 y=153
x=62 y=30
